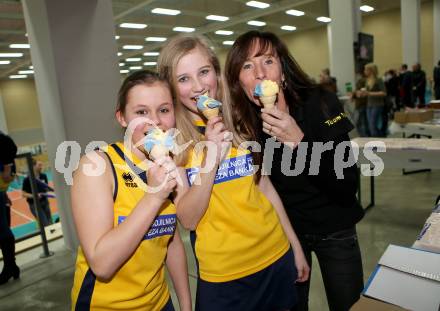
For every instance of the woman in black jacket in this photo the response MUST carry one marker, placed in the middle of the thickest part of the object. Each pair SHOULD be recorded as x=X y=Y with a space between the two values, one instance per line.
x=319 y=190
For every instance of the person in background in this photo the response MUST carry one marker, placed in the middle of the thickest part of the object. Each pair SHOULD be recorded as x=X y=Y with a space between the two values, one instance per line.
x=392 y=87
x=419 y=84
x=375 y=94
x=7 y=240
x=406 y=85
x=43 y=188
x=327 y=81
x=360 y=105
x=436 y=78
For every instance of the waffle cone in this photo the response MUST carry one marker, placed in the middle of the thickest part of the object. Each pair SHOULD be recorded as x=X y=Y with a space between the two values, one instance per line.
x=210 y=113
x=268 y=101
x=158 y=151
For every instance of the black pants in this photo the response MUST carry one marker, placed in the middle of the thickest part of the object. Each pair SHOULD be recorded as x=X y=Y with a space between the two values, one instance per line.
x=43 y=212
x=340 y=261
x=7 y=240
x=419 y=95
x=437 y=92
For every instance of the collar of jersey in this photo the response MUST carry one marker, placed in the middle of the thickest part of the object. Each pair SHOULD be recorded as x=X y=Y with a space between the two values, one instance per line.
x=199 y=123
x=132 y=157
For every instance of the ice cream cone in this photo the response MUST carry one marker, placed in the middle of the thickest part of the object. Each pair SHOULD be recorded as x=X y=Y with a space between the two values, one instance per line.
x=268 y=101
x=211 y=113
x=158 y=151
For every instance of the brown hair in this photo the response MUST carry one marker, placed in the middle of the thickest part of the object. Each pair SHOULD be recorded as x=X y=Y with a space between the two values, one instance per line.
x=296 y=86
x=136 y=78
x=170 y=55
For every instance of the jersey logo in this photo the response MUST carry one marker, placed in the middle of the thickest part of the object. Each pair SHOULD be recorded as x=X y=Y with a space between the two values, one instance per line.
x=336 y=119
x=129 y=180
x=229 y=169
x=162 y=225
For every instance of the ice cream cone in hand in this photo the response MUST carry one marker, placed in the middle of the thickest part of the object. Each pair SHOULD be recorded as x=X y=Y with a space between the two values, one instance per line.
x=158 y=143
x=267 y=91
x=268 y=101
x=159 y=151
x=208 y=106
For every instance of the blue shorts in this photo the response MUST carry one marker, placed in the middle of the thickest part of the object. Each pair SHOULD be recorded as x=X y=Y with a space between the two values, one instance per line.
x=271 y=289
x=169 y=306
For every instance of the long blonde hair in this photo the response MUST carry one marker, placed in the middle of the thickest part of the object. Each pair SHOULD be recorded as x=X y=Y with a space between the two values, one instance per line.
x=371 y=80
x=170 y=56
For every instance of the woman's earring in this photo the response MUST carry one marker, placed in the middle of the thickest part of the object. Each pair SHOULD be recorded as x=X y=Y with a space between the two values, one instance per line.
x=283 y=84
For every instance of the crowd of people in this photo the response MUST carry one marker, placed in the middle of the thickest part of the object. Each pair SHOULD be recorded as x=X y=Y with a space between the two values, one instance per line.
x=376 y=98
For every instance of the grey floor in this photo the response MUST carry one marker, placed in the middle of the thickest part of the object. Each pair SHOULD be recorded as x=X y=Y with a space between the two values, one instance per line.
x=403 y=202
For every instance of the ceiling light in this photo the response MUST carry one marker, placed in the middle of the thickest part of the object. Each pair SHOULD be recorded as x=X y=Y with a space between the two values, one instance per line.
x=258 y=4
x=132 y=47
x=295 y=12
x=288 y=28
x=18 y=76
x=119 y=54
x=135 y=67
x=5 y=62
x=155 y=39
x=184 y=29
x=217 y=18
x=25 y=72
x=228 y=42
x=31 y=67
x=133 y=59
x=121 y=64
x=117 y=37
x=19 y=46
x=123 y=71
x=133 y=25
x=224 y=32
x=324 y=19
x=165 y=11
x=366 y=8
x=151 y=53
x=150 y=64
x=256 y=23
x=11 y=54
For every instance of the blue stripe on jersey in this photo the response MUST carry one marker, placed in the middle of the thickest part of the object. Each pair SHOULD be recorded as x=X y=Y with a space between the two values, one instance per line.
x=140 y=172
x=162 y=225
x=115 y=193
x=228 y=169
x=85 y=293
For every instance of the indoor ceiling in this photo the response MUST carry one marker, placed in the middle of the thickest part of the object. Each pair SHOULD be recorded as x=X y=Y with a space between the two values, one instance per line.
x=192 y=14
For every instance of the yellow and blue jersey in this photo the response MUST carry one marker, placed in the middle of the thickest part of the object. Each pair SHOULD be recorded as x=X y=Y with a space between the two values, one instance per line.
x=140 y=283
x=240 y=233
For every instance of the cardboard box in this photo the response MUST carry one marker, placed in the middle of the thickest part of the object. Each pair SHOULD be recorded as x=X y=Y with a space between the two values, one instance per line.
x=434 y=104
x=368 y=304
x=408 y=278
x=416 y=115
x=429 y=237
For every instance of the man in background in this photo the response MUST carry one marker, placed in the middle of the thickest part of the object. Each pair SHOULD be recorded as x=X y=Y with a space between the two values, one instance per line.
x=436 y=76
x=406 y=87
x=43 y=211
x=419 y=84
